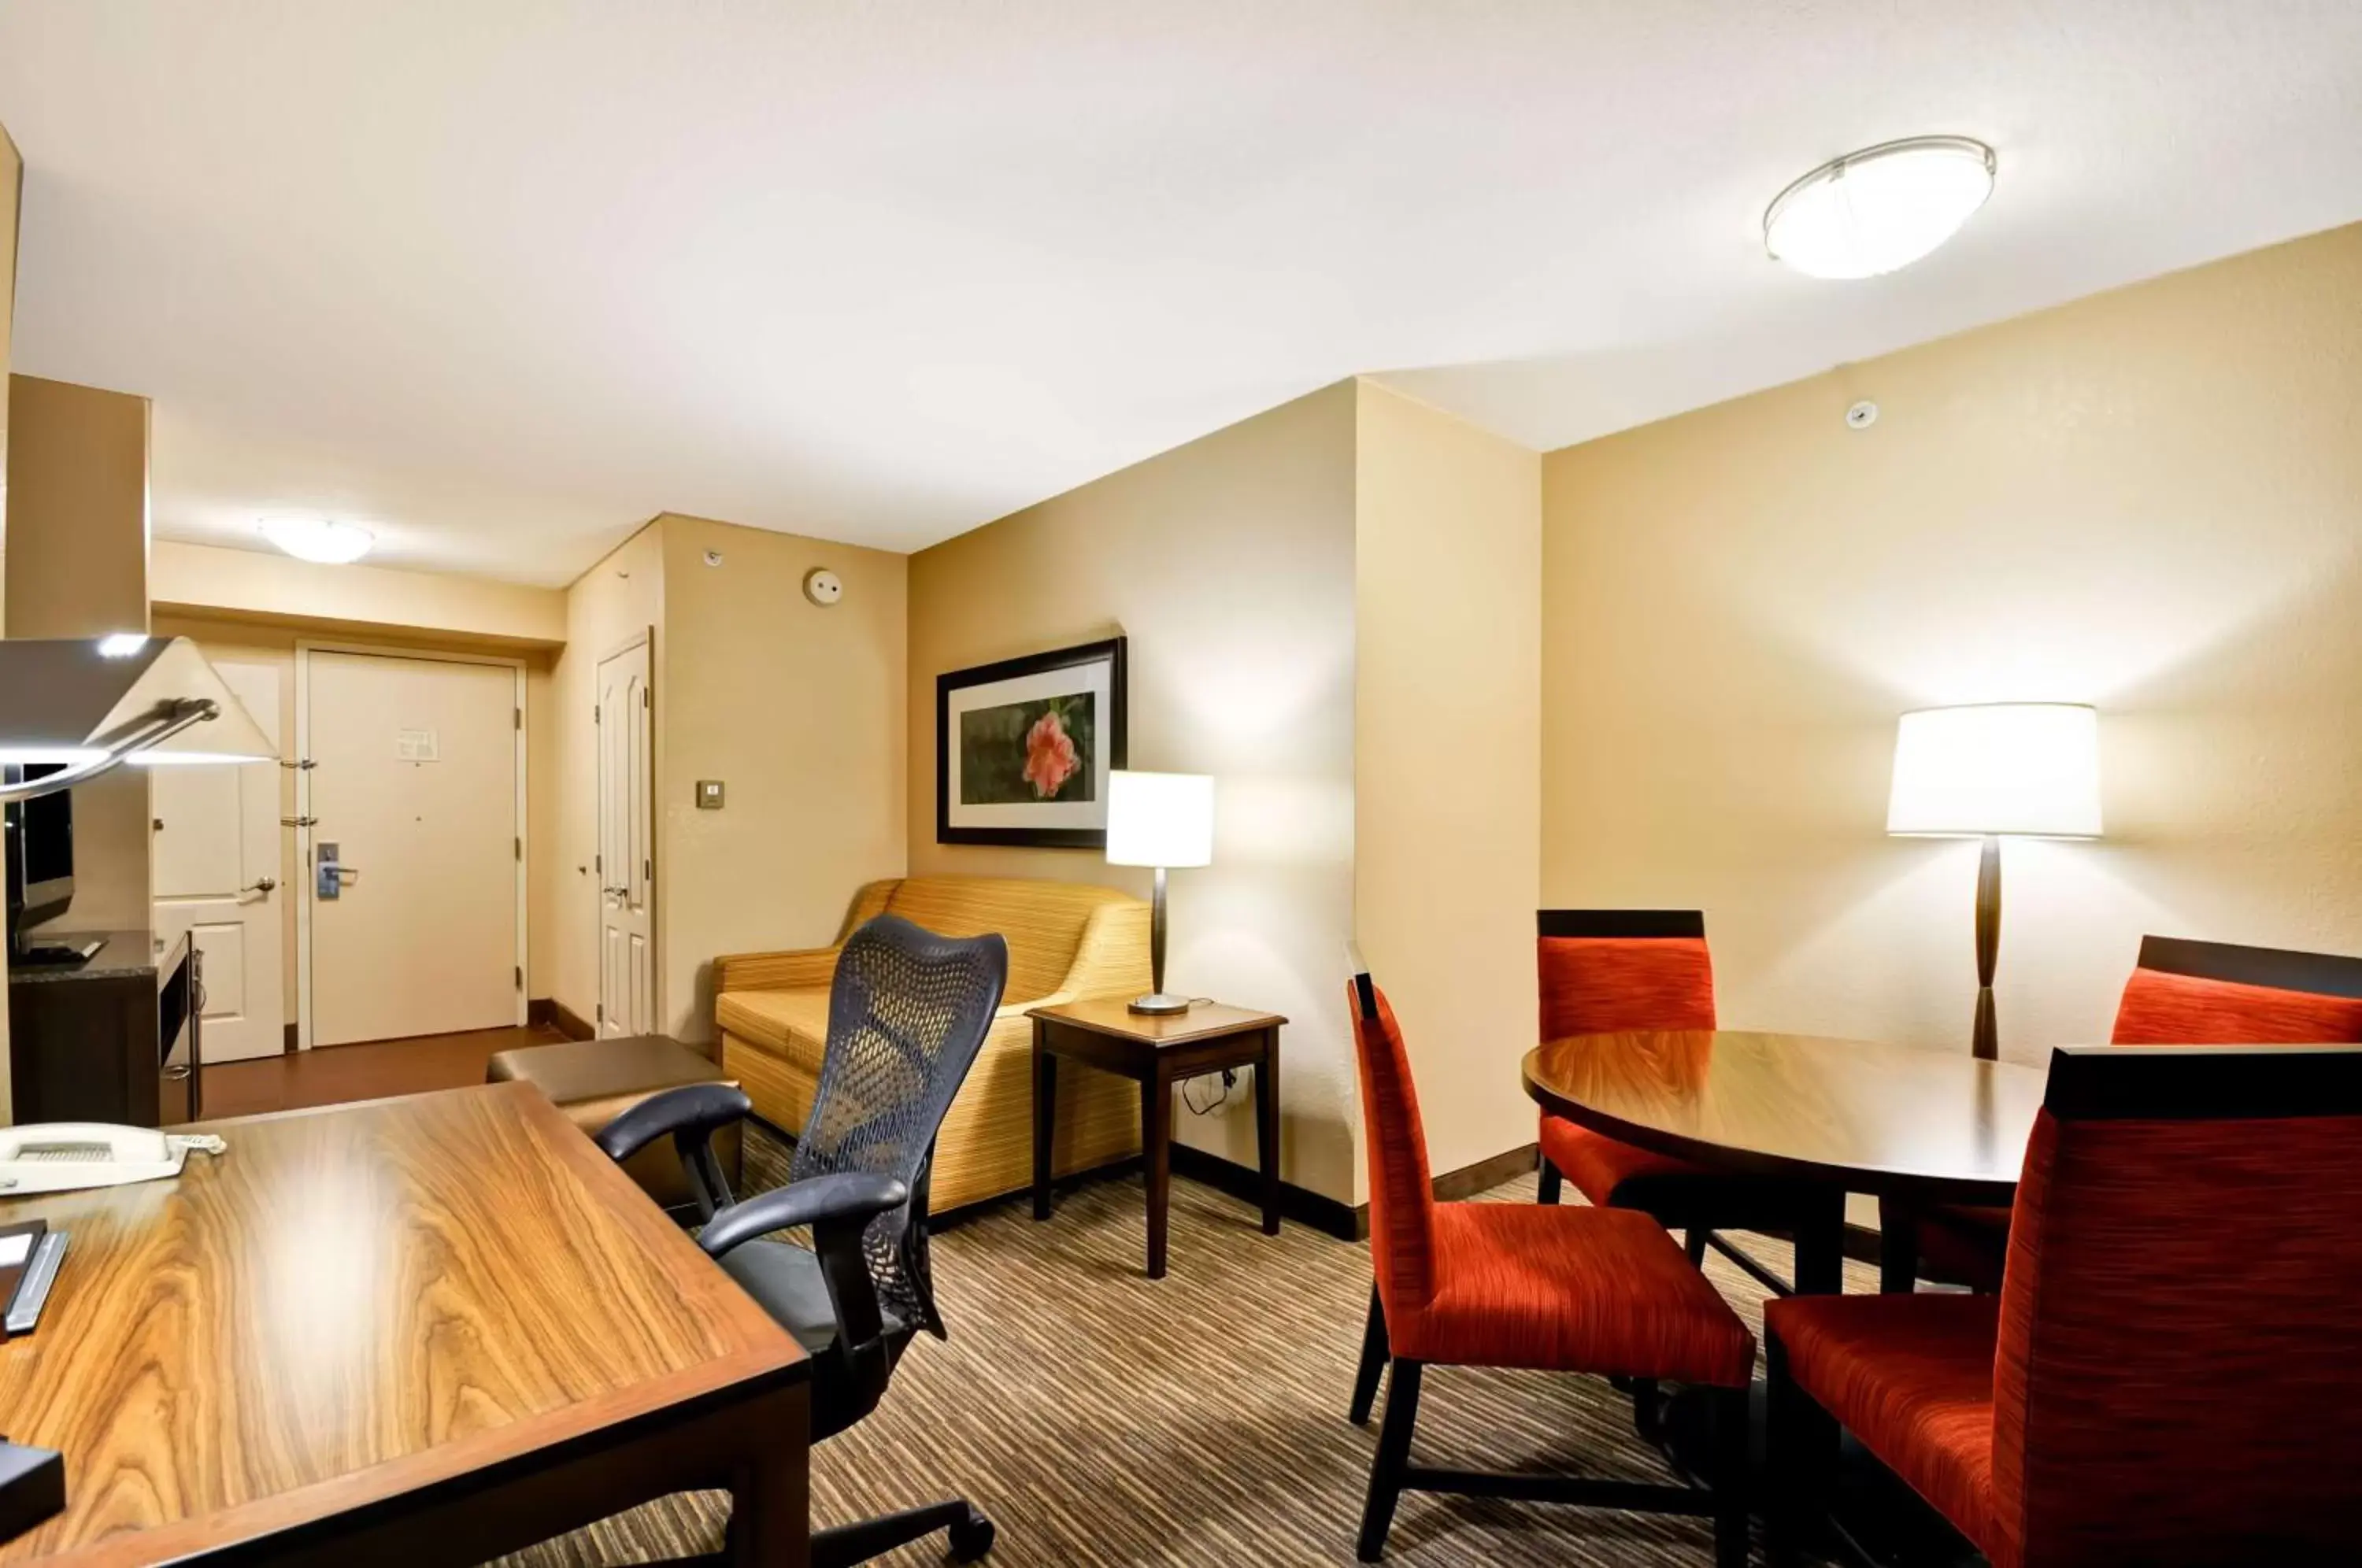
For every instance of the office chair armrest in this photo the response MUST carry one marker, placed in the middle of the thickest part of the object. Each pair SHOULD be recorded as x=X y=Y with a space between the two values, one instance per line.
x=856 y=1196
x=699 y=1110
x=692 y=1114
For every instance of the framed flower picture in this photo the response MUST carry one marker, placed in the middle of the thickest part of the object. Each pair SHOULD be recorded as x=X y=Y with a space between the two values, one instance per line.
x=1024 y=748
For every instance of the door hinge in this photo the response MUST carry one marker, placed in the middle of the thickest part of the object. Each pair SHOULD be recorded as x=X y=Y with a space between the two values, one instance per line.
x=520 y=977
x=599 y=1014
x=598 y=864
x=647 y=697
x=648 y=870
x=519 y=848
x=594 y=713
x=520 y=718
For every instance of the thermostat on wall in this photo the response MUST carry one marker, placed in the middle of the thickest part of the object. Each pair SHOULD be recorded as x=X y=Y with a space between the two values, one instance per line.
x=822 y=586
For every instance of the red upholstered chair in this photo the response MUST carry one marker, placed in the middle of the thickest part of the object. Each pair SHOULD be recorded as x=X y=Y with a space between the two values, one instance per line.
x=1607 y=970
x=1598 y=1290
x=2183 y=993
x=2172 y=1373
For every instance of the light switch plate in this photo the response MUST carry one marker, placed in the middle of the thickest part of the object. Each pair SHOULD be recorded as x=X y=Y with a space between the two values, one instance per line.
x=709 y=794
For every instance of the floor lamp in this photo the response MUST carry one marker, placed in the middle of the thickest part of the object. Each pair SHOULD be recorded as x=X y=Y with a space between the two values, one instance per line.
x=1995 y=770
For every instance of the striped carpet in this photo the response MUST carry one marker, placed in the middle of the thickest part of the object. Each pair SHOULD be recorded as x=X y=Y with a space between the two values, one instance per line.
x=1102 y=1420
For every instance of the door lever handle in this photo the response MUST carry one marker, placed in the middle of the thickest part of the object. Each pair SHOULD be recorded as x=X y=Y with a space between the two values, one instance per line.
x=261 y=885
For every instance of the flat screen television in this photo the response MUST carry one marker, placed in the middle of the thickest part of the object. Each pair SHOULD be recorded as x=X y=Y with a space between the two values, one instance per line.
x=40 y=854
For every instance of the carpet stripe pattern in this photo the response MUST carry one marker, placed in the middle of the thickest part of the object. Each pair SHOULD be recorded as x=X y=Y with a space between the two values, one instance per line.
x=1104 y=1420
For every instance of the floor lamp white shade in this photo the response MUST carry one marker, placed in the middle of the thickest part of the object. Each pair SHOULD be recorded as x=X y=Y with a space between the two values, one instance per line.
x=1162 y=820
x=1990 y=770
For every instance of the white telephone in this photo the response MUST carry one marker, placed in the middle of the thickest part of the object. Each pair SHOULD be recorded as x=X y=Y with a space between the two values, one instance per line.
x=62 y=1156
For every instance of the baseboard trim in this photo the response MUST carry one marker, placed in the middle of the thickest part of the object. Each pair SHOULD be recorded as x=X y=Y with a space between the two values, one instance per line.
x=548 y=1012
x=1311 y=1209
x=1455 y=1186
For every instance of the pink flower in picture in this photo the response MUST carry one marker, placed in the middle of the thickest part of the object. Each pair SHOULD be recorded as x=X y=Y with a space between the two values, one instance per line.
x=1049 y=758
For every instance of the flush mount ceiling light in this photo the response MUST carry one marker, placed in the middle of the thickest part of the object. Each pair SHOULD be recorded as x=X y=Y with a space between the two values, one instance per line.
x=317 y=539
x=1884 y=207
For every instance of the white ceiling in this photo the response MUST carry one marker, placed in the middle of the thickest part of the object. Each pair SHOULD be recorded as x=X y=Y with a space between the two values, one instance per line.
x=500 y=281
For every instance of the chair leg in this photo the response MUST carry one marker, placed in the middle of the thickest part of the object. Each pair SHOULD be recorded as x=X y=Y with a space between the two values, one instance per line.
x=1392 y=1458
x=1802 y=1439
x=845 y=1545
x=1547 y=1189
x=1898 y=1249
x=1695 y=1243
x=1730 y=1478
x=1648 y=1410
x=1373 y=1361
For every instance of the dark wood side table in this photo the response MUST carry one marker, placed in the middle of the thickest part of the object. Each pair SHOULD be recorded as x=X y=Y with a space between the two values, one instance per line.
x=1157 y=1052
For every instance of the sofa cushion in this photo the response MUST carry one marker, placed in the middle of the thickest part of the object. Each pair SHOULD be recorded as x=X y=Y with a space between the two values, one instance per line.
x=1043 y=922
x=789 y=1025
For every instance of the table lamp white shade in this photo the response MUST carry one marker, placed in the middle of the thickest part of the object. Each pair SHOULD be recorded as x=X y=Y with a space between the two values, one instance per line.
x=1159 y=819
x=2024 y=768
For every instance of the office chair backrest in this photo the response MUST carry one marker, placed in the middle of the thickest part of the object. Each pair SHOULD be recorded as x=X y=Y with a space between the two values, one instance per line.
x=2218 y=993
x=1607 y=970
x=2181 y=1346
x=907 y=1013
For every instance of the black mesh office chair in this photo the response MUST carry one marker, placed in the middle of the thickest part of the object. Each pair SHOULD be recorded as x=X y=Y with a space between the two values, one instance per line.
x=907 y=1014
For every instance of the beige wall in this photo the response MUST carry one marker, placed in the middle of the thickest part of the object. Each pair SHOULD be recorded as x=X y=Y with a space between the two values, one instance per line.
x=1447 y=807
x=12 y=184
x=798 y=709
x=2150 y=500
x=1228 y=564
x=12 y=172
x=357 y=599
x=236 y=640
x=620 y=599
x=77 y=567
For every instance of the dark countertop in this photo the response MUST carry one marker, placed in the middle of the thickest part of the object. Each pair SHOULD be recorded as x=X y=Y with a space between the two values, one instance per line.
x=127 y=954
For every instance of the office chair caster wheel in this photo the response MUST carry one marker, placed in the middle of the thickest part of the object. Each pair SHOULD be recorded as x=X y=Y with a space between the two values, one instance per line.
x=971 y=1538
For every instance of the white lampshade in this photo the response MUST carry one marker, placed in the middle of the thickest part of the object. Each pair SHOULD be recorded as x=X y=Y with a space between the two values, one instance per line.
x=1159 y=819
x=1998 y=768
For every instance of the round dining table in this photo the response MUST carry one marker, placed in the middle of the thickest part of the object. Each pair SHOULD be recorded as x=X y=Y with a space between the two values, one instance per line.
x=1853 y=1115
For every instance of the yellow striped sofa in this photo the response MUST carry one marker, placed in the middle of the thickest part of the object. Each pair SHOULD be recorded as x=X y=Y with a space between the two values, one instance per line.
x=1066 y=942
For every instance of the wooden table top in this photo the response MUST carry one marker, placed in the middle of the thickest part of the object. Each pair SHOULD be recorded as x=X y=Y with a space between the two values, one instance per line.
x=1111 y=1016
x=352 y=1303
x=1940 y=1126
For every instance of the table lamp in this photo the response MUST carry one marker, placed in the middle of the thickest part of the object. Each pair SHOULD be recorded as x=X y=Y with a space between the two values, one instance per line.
x=1162 y=820
x=1991 y=771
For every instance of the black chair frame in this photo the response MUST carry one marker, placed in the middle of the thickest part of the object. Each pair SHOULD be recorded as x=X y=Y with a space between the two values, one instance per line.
x=843 y=1209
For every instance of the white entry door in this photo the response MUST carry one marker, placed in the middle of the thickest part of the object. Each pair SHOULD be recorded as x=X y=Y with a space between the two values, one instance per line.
x=626 y=866
x=216 y=867
x=413 y=793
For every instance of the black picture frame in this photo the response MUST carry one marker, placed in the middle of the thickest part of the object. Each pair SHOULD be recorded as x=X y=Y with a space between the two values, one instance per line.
x=1109 y=652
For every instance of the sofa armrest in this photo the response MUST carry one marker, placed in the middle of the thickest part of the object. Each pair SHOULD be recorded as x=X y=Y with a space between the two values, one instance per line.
x=811 y=969
x=1112 y=959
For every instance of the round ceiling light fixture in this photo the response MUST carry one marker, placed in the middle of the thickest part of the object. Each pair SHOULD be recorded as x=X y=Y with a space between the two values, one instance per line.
x=1884 y=207
x=317 y=539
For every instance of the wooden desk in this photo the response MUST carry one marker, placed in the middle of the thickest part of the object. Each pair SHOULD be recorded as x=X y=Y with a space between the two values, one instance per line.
x=1157 y=1051
x=426 y=1330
